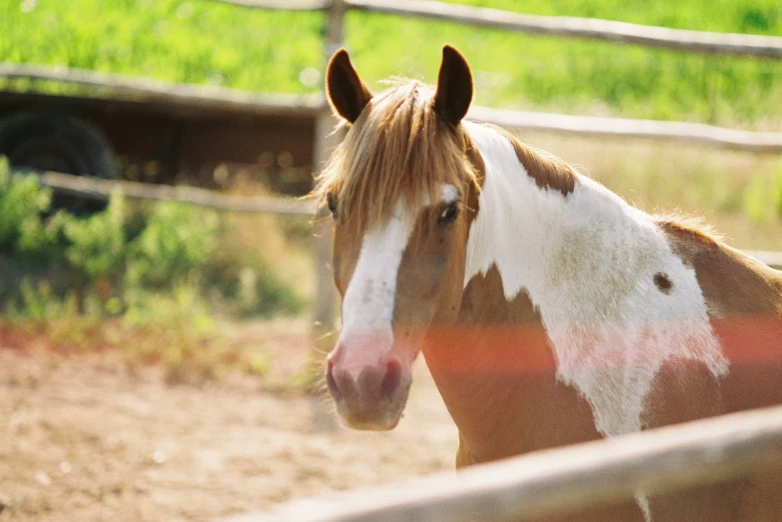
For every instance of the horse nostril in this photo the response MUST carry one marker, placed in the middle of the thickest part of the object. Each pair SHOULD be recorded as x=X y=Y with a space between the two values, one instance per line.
x=331 y=383
x=391 y=380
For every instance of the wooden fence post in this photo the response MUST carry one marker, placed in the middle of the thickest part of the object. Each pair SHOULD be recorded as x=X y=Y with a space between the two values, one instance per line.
x=324 y=307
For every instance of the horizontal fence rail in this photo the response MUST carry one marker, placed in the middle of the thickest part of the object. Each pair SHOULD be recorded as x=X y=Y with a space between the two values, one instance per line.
x=101 y=189
x=566 y=480
x=772 y=259
x=158 y=91
x=563 y=26
x=590 y=28
x=286 y=5
x=218 y=98
x=592 y=126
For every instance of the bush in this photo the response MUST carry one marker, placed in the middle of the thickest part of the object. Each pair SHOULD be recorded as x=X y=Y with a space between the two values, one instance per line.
x=133 y=262
x=96 y=245
x=21 y=203
x=175 y=242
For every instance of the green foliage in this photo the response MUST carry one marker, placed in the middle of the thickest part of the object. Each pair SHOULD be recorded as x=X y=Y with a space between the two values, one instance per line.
x=196 y=42
x=250 y=287
x=96 y=244
x=533 y=72
x=21 y=202
x=176 y=241
x=152 y=266
x=181 y=308
x=277 y=51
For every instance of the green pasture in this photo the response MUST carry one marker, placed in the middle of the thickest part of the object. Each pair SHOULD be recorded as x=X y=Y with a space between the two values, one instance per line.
x=201 y=41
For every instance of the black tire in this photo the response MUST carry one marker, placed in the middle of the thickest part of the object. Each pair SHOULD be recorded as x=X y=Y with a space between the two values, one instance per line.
x=60 y=143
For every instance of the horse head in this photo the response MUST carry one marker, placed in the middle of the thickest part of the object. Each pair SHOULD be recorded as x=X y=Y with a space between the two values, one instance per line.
x=402 y=189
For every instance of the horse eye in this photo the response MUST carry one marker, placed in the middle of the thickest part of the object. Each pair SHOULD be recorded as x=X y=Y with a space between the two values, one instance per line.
x=331 y=202
x=449 y=214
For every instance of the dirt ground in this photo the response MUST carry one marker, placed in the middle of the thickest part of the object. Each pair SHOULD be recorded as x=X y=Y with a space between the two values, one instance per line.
x=85 y=438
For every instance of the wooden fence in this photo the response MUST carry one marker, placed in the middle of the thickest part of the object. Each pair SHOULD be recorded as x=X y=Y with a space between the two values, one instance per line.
x=314 y=106
x=563 y=481
x=563 y=26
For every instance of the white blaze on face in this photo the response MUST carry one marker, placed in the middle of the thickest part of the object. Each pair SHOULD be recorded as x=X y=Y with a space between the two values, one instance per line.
x=368 y=305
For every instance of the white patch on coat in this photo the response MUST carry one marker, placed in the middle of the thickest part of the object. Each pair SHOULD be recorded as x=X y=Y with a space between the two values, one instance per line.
x=368 y=305
x=588 y=262
x=643 y=503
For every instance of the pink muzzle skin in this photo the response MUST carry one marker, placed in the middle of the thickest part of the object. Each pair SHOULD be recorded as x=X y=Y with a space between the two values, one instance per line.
x=370 y=392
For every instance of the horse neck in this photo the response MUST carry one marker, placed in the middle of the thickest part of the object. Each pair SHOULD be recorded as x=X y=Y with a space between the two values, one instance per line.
x=578 y=269
x=497 y=375
x=495 y=368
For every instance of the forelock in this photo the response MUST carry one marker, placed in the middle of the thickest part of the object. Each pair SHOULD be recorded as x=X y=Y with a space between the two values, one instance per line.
x=397 y=149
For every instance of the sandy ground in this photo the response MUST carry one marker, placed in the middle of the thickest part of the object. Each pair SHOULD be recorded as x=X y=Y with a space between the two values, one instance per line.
x=83 y=438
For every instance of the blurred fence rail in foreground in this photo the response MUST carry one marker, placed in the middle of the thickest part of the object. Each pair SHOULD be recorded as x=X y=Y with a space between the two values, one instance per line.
x=563 y=481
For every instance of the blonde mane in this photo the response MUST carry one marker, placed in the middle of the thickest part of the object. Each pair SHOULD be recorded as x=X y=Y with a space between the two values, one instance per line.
x=397 y=148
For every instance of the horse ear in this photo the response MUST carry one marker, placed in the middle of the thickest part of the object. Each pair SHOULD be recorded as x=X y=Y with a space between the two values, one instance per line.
x=454 y=87
x=347 y=94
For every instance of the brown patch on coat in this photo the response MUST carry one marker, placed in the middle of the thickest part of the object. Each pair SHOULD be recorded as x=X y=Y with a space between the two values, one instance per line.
x=684 y=390
x=663 y=282
x=732 y=283
x=744 y=300
x=471 y=201
x=548 y=171
x=496 y=372
x=497 y=359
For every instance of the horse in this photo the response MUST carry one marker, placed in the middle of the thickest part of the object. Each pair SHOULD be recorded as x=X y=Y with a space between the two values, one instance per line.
x=549 y=311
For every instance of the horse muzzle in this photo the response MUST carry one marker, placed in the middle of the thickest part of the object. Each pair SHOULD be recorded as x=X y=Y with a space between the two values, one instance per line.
x=369 y=395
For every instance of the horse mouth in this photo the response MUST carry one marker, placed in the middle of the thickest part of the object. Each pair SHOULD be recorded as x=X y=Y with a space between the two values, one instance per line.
x=382 y=422
x=375 y=399
x=383 y=419
x=373 y=415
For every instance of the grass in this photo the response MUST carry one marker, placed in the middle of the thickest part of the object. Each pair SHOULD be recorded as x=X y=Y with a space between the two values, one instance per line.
x=272 y=51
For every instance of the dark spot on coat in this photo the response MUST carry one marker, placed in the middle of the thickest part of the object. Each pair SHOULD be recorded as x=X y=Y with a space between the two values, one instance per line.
x=663 y=283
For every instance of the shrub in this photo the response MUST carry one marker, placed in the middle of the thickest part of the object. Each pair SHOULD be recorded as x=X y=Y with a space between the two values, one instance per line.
x=152 y=263
x=96 y=245
x=21 y=203
x=176 y=241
